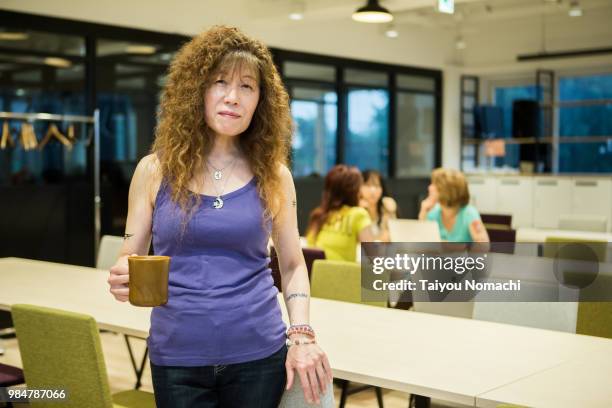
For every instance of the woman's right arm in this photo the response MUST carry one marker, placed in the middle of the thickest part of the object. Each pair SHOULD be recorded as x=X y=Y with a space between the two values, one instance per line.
x=143 y=189
x=426 y=205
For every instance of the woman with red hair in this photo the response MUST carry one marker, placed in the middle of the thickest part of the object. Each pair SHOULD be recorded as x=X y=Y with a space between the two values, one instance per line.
x=338 y=223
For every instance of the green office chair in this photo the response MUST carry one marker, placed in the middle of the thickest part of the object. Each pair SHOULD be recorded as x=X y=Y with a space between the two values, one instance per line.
x=62 y=350
x=594 y=318
x=339 y=280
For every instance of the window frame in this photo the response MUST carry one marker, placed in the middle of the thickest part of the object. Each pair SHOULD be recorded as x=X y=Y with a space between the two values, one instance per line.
x=342 y=88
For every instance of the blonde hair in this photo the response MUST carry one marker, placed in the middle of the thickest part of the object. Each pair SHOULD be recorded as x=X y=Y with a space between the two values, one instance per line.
x=183 y=140
x=452 y=187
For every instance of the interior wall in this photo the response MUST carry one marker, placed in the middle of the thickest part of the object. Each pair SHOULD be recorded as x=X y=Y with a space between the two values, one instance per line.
x=495 y=44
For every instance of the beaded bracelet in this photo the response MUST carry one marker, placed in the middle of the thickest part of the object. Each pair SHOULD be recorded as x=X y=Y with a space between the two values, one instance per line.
x=297 y=342
x=301 y=329
x=301 y=326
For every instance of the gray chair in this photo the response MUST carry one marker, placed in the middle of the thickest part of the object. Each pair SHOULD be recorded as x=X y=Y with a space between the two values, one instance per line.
x=110 y=247
x=294 y=397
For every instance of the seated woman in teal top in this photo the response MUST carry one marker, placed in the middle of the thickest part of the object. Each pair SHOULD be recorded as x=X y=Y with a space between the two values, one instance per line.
x=447 y=204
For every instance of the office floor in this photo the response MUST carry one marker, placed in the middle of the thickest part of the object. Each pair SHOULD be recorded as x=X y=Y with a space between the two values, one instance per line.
x=121 y=376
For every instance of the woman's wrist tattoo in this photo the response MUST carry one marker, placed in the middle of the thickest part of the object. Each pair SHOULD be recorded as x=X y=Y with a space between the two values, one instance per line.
x=296 y=295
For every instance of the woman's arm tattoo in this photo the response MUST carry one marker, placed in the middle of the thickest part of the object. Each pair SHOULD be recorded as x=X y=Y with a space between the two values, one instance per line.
x=296 y=295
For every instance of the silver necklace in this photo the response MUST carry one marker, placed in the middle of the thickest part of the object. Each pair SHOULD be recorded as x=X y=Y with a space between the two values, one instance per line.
x=218 y=173
x=218 y=202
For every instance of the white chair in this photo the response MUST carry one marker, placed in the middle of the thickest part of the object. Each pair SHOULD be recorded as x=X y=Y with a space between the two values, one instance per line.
x=110 y=246
x=583 y=222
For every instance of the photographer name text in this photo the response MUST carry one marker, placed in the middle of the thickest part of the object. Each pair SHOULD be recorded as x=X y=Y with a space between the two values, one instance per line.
x=437 y=286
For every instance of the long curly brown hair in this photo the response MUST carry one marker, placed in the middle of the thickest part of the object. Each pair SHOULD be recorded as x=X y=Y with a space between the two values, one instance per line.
x=183 y=140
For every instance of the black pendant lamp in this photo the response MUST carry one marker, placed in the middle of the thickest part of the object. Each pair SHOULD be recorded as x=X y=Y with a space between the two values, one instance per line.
x=372 y=12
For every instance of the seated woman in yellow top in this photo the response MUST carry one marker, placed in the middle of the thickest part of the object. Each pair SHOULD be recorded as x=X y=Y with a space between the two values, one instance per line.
x=338 y=223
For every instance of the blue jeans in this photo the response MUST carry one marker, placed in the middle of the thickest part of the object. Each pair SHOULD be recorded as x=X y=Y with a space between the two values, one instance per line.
x=254 y=384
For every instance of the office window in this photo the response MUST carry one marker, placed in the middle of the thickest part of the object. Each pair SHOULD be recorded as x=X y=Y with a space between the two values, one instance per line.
x=504 y=98
x=324 y=90
x=303 y=70
x=415 y=153
x=415 y=124
x=584 y=113
x=367 y=138
x=365 y=77
x=416 y=83
x=315 y=115
x=33 y=81
x=40 y=42
x=127 y=95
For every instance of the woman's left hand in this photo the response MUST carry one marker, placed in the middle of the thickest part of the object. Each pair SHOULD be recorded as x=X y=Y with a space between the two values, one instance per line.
x=478 y=231
x=313 y=368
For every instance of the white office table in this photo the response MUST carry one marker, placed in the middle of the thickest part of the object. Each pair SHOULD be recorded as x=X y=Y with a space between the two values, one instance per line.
x=69 y=287
x=540 y=234
x=442 y=357
x=558 y=386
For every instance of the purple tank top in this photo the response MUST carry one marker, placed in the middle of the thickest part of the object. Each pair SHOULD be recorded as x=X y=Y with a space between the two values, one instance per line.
x=222 y=306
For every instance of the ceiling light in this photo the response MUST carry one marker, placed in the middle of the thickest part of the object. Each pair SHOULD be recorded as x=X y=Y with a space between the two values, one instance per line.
x=13 y=36
x=297 y=10
x=392 y=33
x=575 y=10
x=372 y=12
x=57 y=62
x=460 y=43
x=446 y=6
x=140 y=49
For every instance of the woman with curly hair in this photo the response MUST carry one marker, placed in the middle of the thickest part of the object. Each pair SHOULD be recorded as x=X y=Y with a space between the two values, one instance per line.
x=213 y=190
